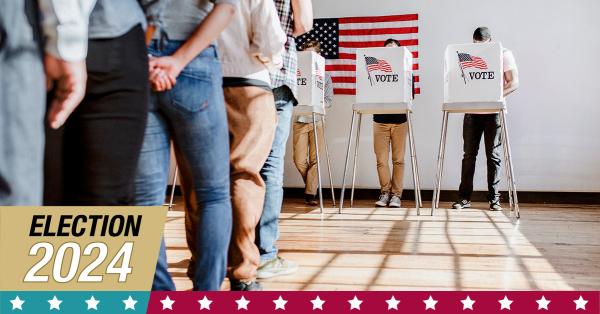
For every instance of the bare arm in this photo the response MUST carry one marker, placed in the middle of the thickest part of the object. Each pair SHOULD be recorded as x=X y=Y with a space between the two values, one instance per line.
x=303 y=16
x=511 y=81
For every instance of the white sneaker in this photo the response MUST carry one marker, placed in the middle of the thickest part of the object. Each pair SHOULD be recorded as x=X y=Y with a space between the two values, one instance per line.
x=395 y=201
x=384 y=199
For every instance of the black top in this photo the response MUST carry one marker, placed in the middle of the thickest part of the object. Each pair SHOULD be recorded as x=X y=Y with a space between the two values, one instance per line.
x=242 y=82
x=389 y=118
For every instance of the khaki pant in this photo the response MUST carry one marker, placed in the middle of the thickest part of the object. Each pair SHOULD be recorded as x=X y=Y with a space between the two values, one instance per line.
x=385 y=134
x=252 y=119
x=305 y=154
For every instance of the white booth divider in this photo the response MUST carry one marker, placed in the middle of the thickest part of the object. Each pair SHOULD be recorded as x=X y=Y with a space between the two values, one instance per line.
x=474 y=80
x=384 y=85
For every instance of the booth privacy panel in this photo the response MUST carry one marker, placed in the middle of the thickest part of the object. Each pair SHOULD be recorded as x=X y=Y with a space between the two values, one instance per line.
x=384 y=75
x=473 y=73
x=311 y=83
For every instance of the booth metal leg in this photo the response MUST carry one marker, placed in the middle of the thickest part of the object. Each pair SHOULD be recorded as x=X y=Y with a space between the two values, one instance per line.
x=316 y=136
x=413 y=162
x=328 y=162
x=508 y=178
x=440 y=166
x=175 y=175
x=356 y=146
x=510 y=164
x=346 y=163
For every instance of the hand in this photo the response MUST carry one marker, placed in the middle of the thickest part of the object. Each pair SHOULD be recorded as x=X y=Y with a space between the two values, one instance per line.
x=68 y=80
x=164 y=72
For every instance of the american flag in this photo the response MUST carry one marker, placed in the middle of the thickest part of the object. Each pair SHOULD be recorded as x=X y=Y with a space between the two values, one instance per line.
x=374 y=64
x=468 y=61
x=339 y=38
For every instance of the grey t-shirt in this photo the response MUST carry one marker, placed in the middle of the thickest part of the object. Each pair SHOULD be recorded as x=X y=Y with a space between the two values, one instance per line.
x=113 y=18
x=182 y=17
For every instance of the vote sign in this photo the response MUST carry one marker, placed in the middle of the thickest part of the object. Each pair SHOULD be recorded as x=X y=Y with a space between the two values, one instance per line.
x=311 y=83
x=473 y=73
x=384 y=75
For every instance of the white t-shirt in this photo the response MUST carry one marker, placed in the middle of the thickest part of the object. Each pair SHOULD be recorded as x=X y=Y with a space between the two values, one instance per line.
x=508 y=60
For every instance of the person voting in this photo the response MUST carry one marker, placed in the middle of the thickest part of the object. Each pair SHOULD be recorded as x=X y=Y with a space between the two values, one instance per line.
x=488 y=125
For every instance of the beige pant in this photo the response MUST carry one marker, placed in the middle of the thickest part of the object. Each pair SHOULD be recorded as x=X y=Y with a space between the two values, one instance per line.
x=385 y=134
x=252 y=120
x=305 y=154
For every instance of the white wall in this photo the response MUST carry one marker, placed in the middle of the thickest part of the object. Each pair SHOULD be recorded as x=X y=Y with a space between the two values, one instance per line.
x=554 y=117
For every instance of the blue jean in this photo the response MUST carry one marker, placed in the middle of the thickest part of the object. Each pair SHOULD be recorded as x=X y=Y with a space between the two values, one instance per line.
x=193 y=116
x=267 y=231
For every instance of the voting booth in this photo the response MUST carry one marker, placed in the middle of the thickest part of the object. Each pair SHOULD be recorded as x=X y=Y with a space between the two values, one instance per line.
x=311 y=102
x=384 y=85
x=473 y=83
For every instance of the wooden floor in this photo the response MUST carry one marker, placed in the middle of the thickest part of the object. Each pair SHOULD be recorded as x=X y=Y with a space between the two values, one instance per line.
x=552 y=247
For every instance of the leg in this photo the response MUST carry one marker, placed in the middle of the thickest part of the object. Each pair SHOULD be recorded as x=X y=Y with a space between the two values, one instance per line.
x=413 y=163
x=493 y=148
x=510 y=166
x=272 y=174
x=317 y=137
x=196 y=110
x=22 y=107
x=346 y=162
x=104 y=135
x=472 y=132
x=300 y=149
x=355 y=159
x=328 y=161
x=252 y=119
x=150 y=181
x=440 y=164
x=381 y=146
x=312 y=180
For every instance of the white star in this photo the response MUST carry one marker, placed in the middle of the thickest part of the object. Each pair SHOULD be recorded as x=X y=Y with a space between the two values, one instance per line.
x=468 y=303
x=242 y=303
x=430 y=303
x=580 y=303
x=280 y=303
x=543 y=303
x=17 y=303
x=167 y=303
x=317 y=303
x=505 y=303
x=392 y=303
x=205 y=303
x=355 y=303
x=130 y=303
x=92 y=303
x=55 y=303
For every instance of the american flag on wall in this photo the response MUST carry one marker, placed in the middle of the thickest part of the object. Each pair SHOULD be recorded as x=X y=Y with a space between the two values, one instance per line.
x=339 y=38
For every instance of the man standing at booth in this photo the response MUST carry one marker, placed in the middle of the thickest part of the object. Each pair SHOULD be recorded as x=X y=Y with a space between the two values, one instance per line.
x=488 y=125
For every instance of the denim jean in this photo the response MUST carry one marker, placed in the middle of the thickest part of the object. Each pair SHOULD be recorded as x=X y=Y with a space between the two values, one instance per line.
x=193 y=116
x=22 y=105
x=474 y=126
x=267 y=231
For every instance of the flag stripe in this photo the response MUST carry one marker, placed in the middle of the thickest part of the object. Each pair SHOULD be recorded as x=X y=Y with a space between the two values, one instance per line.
x=370 y=44
x=379 y=31
x=373 y=19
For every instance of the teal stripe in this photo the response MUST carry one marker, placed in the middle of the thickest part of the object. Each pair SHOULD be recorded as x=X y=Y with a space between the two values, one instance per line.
x=73 y=301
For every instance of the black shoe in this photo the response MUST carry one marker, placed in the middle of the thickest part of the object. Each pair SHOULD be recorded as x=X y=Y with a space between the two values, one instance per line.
x=495 y=205
x=237 y=285
x=460 y=204
x=311 y=199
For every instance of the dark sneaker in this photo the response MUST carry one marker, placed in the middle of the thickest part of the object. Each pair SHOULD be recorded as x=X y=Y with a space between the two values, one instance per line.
x=311 y=199
x=495 y=205
x=395 y=201
x=384 y=200
x=276 y=267
x=237 y=285
x=460 y=204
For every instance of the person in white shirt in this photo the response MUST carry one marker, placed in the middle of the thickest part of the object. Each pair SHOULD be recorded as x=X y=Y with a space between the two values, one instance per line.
x=251 y=47
x=305 y=155
x=488 y=125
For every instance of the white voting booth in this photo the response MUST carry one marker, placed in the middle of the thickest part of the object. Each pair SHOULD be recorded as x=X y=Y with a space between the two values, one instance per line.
x=473 y=83
x=384 y=85
x=311 y=102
